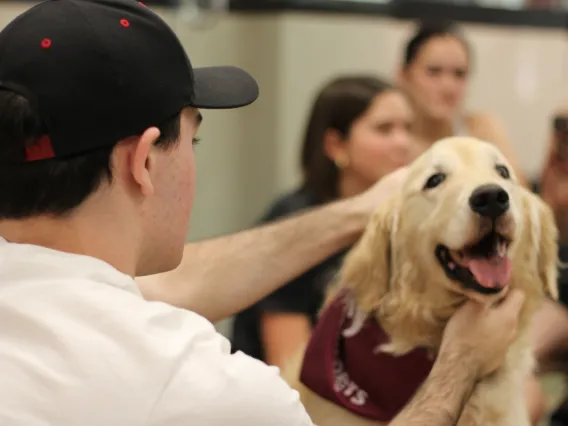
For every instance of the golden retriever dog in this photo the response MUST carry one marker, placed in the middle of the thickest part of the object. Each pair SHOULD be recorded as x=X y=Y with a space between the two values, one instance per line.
x=461 y=226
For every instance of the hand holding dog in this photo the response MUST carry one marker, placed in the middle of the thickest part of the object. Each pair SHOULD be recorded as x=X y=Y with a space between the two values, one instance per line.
x=480 y=335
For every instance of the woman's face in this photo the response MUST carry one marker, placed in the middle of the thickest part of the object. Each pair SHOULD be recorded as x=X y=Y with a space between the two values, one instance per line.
x=436 y=80
x=380 y=140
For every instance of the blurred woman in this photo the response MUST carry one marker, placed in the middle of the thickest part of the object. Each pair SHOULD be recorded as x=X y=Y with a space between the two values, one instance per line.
x=550 y=326
x=435 y=73
x=359 y=130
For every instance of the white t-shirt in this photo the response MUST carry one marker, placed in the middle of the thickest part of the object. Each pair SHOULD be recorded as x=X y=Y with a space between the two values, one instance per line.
x=79 y=346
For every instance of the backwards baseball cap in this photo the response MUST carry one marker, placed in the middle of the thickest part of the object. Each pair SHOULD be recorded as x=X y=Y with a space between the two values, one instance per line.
x=98 y=71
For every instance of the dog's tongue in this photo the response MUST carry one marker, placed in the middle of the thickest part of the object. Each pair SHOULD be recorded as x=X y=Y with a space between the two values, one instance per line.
x=494 y=272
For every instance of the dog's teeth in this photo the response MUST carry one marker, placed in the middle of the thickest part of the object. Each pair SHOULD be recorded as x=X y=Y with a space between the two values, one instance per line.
x=502 y=249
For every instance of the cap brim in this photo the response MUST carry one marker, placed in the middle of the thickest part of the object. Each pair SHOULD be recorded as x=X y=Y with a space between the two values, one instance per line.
x=223 y=88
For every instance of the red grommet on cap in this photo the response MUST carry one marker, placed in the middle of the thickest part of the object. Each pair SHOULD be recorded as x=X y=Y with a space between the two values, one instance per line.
x=124 y=23
x=46 y=43
x=141 y=4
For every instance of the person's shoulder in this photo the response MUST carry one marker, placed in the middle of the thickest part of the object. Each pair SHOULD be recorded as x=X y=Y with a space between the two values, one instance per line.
x=173 y=333
x=213 y=387
x=153 y=335
x=289 y=203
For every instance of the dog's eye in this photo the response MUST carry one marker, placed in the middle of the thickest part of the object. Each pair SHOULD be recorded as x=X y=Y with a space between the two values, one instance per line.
x=503 y=171
x=434 y=180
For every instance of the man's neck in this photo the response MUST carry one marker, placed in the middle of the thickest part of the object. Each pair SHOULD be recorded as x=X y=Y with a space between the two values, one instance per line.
x=78 y=234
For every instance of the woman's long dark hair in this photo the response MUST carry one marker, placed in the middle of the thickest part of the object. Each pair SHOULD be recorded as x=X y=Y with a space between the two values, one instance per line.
x=338 y=105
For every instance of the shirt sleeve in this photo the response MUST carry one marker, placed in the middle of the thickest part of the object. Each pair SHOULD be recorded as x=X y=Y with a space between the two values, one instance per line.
x=211 y=387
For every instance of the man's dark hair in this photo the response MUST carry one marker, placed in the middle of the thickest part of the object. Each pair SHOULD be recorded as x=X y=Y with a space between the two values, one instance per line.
x=56 y=186
x=427 y=31
x=338 y=105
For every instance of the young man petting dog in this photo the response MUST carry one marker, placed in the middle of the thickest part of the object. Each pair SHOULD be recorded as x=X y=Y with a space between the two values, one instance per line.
x=98 y=109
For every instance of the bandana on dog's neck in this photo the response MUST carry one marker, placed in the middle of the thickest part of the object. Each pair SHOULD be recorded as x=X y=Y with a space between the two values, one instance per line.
x=352 y=373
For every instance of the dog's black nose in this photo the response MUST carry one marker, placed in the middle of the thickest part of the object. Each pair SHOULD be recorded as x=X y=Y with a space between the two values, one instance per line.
x=489 y=201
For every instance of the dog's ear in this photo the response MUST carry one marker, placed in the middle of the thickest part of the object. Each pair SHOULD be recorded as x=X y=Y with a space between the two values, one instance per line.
x=367 y=269
x=545 y=236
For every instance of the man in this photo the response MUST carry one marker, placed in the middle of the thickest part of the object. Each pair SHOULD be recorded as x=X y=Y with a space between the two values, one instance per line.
x=98 y=108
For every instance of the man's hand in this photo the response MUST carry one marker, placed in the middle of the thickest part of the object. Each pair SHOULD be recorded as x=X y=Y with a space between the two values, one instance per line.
x=480 y=334
x=475 y=342
x=369 y=200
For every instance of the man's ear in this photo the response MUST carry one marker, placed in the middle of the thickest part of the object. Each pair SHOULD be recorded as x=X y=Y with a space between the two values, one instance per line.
x=142 y=160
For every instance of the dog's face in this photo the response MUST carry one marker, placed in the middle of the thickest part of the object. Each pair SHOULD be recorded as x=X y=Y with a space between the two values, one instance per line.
x=461 y=226
x=464 y=207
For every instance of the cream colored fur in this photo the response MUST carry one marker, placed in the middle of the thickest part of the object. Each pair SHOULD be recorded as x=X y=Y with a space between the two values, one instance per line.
x=395 y=276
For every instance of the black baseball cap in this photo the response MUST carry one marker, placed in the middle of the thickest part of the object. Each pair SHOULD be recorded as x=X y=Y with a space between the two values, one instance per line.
x=98 y=71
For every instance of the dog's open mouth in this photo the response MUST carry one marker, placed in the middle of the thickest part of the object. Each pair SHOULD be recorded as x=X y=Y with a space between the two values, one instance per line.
x=484 y=266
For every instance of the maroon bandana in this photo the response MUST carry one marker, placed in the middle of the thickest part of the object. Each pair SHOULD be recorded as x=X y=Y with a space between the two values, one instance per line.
x=352 y=373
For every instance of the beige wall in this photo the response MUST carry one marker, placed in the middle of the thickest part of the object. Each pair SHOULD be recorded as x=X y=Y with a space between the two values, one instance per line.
x=248 y=156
